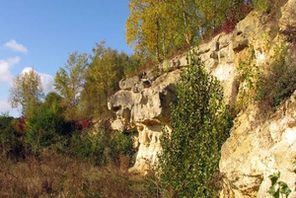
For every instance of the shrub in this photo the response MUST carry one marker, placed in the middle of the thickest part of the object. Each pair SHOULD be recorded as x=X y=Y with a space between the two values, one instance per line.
x=261 y=5
x=248 y=76
x=88 y=147
x=122 y=144
x=280 y=81
x=11 y=144
x=236 y=13
x=278 y=188
x=200 y=124
x=44 y=129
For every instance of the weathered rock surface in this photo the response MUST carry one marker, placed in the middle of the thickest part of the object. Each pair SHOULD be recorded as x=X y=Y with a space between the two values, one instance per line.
x=147 y=111
x=129 y=83
x=259 y=145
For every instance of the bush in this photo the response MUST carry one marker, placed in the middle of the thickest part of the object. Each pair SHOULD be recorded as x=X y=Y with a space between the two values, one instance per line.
x=122 y=144
x=88 y=147
x=11 y=144
x=261 y=5
x=248 y=76
x=44 y=129
x=235 y=14
x=280 y=81
x=278 y=188
x=200 y=124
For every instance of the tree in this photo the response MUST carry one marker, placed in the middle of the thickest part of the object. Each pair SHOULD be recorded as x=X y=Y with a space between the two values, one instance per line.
x=153 y=33
x=26 y=92
x=69 y=82
x=149 y=27
x=200 y=125
x=47 y=126
x=54 y=102
x=106 y=69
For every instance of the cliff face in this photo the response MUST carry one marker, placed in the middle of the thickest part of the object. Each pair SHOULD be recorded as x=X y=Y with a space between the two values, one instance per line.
x=260 y=143
x=143 y=103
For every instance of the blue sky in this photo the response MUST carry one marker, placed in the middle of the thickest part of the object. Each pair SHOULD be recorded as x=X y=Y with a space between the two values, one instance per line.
x=41 y=34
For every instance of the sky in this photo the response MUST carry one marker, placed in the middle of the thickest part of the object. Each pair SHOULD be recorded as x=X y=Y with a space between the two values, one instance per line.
x=40 y=35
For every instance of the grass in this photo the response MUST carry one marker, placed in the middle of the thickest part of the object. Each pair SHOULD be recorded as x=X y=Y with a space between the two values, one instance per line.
x=56 y=175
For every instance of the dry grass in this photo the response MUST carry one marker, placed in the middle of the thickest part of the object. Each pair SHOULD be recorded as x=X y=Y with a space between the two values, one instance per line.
x=54 y=175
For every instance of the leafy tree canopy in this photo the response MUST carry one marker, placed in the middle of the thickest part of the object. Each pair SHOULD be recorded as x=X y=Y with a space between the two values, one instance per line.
x=26 y=92
x=157 y=28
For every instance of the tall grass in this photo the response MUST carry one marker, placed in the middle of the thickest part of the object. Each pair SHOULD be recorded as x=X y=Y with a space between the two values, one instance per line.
x=56 y=175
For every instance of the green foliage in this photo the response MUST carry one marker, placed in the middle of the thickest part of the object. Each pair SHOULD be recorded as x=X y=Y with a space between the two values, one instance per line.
x=153 y=33
x=47 y=125
x=54 y=102
x=278 y=188
x=166 y=66
x=248 y=76
x=88 y=147
x=43 y=130
x=70 y=80
x=11 y=145
x=280 y=81
x=106 y=69
x=200 y=125
x=26 y=92
x=262 y=5
x=130 y=64
x=86 y=81
x=122 y=144
x=247 y=71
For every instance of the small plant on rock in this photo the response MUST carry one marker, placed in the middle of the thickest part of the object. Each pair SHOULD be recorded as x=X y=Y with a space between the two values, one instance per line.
x=248 y=75
x=278 y=189
x=262 y=5
x=280 y=81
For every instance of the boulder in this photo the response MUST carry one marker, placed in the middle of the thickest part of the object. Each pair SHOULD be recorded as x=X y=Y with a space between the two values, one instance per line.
x=128 y=83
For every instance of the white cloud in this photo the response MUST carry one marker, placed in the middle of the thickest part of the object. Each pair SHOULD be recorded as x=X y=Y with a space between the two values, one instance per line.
x=5 y=107
x=15 y=46
x=5 y=65
x=46 y=80
x=27 y=70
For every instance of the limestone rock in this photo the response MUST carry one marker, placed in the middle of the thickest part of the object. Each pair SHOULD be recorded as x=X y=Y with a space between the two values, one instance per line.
x=148 y=110
x=149 y=147
x=240 y=42
x=289 y=15
x=260 y=146
x=128 y=83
